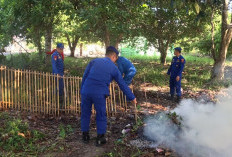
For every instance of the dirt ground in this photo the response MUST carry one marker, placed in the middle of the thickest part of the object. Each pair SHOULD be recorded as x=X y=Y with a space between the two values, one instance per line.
x=151 y=99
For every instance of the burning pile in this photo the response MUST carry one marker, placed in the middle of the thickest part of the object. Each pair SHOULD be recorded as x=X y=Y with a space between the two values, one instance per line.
x=195 y=128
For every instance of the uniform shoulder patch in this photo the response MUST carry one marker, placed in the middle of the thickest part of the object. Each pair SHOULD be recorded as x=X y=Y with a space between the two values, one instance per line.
x=55 y=58
x=182 y=60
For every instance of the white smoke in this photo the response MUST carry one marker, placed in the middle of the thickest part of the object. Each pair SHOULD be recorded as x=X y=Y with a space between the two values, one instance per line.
x=206 y=128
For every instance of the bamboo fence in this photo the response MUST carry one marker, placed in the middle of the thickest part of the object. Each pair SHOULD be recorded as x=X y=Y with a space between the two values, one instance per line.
x=37 y=92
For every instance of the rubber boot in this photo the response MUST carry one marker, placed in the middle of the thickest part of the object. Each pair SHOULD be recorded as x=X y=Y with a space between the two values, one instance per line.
x=101 y=140
x=172 y=97
x=85 y=137
x=178 y=99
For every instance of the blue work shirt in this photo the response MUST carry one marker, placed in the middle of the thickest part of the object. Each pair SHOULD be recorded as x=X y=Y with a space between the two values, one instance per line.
x=57 y=64
x=177 y=67
x=126 y=68
x=98 y=75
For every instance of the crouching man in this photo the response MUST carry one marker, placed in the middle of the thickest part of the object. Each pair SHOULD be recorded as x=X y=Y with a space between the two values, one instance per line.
x=94 y=90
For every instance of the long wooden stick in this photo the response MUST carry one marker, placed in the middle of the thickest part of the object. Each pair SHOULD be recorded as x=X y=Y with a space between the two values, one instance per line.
x=8 y=86
x=68 y=94
x=12 y=88
x=35 y=91
x=2 y=94
x=58 y=95
x=47 y=88
x=78 y=95
x=30 y=95
x=50 y=93
x=5 y=88
x=65 y=96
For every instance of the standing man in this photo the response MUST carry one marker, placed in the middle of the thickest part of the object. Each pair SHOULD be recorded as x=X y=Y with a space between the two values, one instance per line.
x=175 y=71
x=94 y=90
x=58 y=68
x=127 y=69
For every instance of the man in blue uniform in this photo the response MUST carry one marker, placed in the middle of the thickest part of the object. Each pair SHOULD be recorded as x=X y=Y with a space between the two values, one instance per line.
x=175 y=72
x=58 y=68
x=94 y=90
x=127 y=69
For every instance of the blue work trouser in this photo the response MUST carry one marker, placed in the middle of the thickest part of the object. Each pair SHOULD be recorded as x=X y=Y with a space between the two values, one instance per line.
x=175 y=86
x=99 y=102
x=129 y=76
x=61 y=87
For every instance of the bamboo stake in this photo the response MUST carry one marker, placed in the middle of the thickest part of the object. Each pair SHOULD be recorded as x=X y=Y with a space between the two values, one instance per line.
x=78 y=95
x=58 y=94
x=41 y=92
x=8 y=86
x=55 y=94
x=26 y=87
x=5 y=89
x=123 y=102
x=20 y=90
x=119 y=95
x=71 y=80
x=126 y=103
x=65 y=95
x=107 y=112
x=30 y=95
x=68 y=96
x=114 y=98
x=15 y=84
x=74 y=103
x=50 y=94
x=18 y=97
x=12 y=88
x=75 y=93
x=47 y=94
x=35 y=92
x=2 y=95
x=52 y=84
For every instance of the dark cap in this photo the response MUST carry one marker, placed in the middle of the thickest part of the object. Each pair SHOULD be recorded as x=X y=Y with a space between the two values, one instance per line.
x=178 y=49
x=111 y=48
x=60 y=45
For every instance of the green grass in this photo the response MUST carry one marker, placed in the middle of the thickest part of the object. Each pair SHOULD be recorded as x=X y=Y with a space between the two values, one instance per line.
x=17 y=137
x=196 y=73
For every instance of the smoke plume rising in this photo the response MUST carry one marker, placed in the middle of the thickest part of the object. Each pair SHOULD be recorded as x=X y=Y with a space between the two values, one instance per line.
x=206 y=129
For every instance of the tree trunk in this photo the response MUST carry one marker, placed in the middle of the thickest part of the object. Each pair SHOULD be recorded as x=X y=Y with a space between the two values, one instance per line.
x=37 y=41
x=163 y=48
x=72 y=44
x=226 y=35
x=118 y=40
x=213 y=51
x=107 y=37
x=48 y=42
x=81 y=46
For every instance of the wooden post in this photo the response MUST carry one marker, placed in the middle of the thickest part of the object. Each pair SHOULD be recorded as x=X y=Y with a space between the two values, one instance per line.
x=47 y=94
x=30 y=95
x=76 y=90
x=12 y=88
x=68 y=104
x=18 y=97
x=50 y=93
x=58 y=94
x=115 y=109
x=65 y=96
x=8 y=86
x=2 y=98
x=35 y=91
x=5 y=98
x=78 y=95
